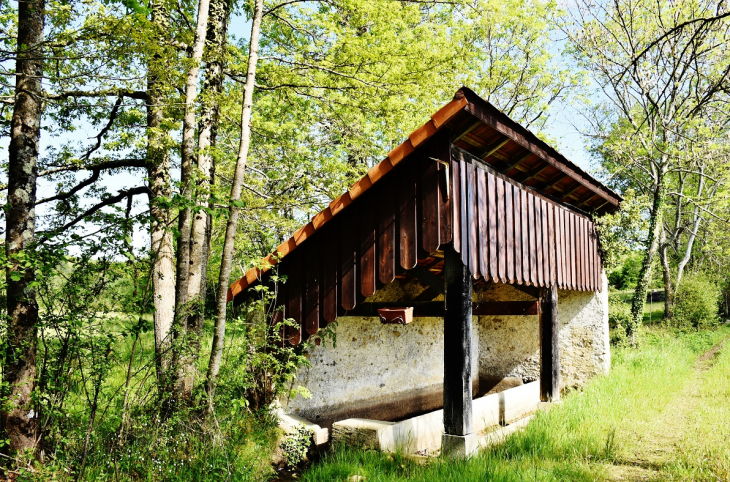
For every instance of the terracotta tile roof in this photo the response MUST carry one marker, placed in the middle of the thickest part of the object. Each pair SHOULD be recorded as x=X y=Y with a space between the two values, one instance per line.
x=465 y=107
x=375 y=173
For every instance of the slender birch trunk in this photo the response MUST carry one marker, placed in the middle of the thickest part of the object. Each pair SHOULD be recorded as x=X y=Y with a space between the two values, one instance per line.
x=234 y=211
x=201 y=223
x=696 y=220
x=20 y=420
x=158 y=173
x=187 y=155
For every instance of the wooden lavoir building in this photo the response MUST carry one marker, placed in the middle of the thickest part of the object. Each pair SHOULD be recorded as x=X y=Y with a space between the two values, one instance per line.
x=470 y=203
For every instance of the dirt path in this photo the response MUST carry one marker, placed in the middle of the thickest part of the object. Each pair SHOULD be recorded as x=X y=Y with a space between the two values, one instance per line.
x=660 y=446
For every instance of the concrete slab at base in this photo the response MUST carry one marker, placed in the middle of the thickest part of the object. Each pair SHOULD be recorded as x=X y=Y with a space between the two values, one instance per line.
x=423 y=434
x=459 y=446
x=289 y=423
x=361 y=432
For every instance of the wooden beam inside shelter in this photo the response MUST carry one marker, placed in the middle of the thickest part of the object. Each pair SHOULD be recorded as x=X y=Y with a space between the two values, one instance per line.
x=435 y=309
x=457 y=346
x=549 y=345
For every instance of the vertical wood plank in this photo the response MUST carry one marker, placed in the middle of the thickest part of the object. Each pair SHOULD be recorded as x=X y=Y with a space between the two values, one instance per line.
x=545 y=241
x=549 y=345
x=407 y=221
x=329 y=273
x=464 y=213
x=539 y=241
x=430 y=218
x=445 y=196
x=311 y=294
x=282 y=303
x=551 y=243
x=492 y=220
x=472 y=216
x=456 y=204
x=591 y=257
x=517 y=213
x=599 y=264
x=387 y=245
x=533 y=241
x=348 y=263
x=564 y=248
x=482 y=207
x=501 y=232
x=558 y=248
x=579 y=249
x=294 y=291
x=589 y=254
x=524 y=216
x=510 y=232
x=585 y=253
x=573 y=258
x=368 y=225
x=457 y=346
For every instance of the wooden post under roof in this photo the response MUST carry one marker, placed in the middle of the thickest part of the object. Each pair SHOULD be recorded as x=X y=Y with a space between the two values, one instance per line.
x=549 y=348
x=457 y=346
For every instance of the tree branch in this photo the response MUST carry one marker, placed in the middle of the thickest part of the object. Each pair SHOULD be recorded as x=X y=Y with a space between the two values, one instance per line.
x=105 y=202
x=132 y=94
x=113 y=164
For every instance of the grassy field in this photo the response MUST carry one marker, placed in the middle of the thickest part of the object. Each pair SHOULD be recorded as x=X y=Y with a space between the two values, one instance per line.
x=661 y=414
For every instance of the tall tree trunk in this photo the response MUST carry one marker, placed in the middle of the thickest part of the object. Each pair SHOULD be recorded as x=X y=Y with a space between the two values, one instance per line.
x=187 y=155
x=696 y=219
x=238 y=176
x=650 y=249
x=667 y=273
x=158 y=173
x=216 y=42
x=19 y=418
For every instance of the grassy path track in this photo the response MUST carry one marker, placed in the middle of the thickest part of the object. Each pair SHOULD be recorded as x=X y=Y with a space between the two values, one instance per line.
x=659 y=447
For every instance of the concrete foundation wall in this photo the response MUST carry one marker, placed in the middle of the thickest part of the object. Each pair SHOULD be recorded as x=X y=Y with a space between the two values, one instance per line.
x=389 y=372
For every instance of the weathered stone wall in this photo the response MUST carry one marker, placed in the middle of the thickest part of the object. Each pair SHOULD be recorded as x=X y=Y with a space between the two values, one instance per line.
x=509 y=346
x=389 y=371
x=374 y=364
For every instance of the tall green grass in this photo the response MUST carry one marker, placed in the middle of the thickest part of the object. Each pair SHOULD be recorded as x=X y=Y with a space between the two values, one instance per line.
x=703 y=453
x=578 y=439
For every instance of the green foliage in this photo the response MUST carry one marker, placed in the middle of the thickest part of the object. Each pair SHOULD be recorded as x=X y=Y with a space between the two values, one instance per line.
x=178 y=448
x=619 y=316
x=626 y=274
x=296 y=445
x=265 y=366
x=696 y=302
x=621 y=233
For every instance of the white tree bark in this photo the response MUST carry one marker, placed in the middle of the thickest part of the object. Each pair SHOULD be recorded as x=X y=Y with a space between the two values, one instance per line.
x=234 y=211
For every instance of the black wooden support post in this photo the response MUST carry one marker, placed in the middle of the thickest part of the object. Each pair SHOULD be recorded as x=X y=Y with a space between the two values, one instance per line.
x=458 y=438
x=549 y=350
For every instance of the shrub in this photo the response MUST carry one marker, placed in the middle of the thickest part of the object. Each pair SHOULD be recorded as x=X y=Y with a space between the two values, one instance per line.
x=619 y=316
x=696 y=301
x=626 y=276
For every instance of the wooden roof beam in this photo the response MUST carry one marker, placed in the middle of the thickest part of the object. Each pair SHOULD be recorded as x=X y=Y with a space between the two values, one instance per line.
x=520 y=160
x=493 y=148
x=568 y=194
x=473 y=126
x=532 y=175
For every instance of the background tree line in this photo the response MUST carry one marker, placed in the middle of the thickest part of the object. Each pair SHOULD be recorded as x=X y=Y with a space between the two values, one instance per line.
x=156 y=149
